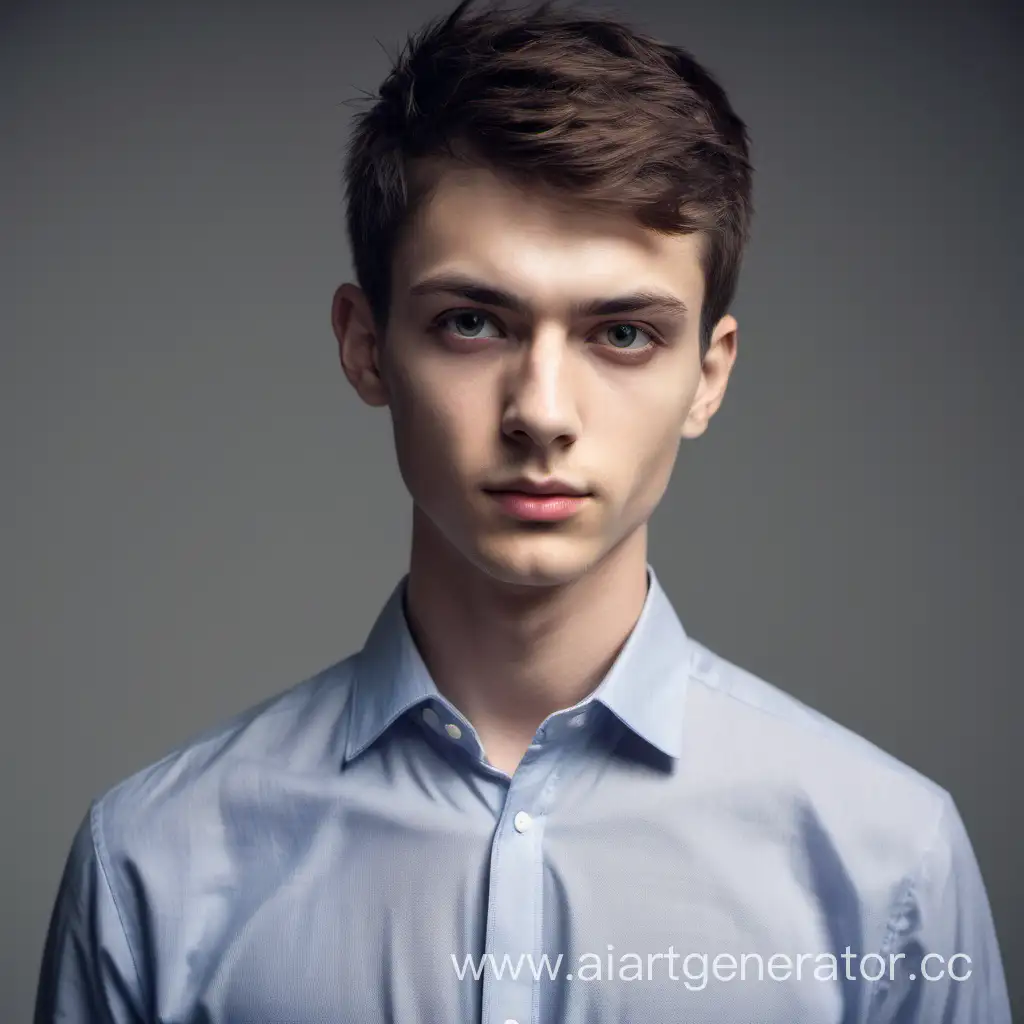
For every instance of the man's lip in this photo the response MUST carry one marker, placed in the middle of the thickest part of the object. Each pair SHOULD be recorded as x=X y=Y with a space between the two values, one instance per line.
x=540 y=489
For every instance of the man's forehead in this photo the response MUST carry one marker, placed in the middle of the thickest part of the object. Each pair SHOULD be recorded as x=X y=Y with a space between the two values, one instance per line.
x=500 y=230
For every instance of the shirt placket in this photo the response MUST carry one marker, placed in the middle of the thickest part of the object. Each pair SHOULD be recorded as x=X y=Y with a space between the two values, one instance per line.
x=512 y=953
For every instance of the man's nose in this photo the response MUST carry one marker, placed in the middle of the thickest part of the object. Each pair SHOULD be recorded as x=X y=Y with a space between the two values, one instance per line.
x=540 y=403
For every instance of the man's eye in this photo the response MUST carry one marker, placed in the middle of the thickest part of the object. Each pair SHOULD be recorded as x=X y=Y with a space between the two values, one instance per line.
x=466 y=323
x=624 y=336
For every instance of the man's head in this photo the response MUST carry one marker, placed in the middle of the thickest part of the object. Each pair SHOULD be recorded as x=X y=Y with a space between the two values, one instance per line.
x=518 y=172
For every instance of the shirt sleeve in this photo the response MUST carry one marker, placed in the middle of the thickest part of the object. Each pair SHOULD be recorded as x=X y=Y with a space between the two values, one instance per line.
x=950 y=969
x=88 y=974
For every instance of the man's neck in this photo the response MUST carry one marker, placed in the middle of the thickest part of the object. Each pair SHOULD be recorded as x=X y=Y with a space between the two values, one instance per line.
x=508 y=656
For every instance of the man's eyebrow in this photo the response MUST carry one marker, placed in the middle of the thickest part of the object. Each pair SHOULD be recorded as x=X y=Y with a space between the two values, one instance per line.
x=479 y=291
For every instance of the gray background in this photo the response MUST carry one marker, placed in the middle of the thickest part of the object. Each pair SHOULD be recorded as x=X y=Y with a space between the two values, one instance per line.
x=197 y=512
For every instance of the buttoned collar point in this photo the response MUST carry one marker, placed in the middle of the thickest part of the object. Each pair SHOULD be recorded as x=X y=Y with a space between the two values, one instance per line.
x=645 y=688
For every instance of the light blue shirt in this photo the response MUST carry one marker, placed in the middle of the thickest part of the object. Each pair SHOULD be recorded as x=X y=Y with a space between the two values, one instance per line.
x=689 y=843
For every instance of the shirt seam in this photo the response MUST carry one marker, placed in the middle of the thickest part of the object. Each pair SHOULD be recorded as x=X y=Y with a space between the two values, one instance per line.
x=102 y=855
x=799 y=715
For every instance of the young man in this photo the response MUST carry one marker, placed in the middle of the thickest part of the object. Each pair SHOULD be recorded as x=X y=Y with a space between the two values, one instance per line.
x=530 y=757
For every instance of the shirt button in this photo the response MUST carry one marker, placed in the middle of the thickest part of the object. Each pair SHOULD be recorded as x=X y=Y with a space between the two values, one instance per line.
x=577 y=720
x=522 y=821
x=453 y=730
x=510 y=1021
x=430 y=717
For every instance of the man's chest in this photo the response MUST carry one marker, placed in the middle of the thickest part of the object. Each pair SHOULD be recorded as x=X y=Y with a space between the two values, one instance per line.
x=571 y=909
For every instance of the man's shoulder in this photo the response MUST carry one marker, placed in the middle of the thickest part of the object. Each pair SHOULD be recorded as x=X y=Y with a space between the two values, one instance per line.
x=783 y=737
x=300 y=729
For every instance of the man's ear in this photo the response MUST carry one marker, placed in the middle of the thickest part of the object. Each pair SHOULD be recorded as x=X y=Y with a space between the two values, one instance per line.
x=358 y=343
x=715 y=369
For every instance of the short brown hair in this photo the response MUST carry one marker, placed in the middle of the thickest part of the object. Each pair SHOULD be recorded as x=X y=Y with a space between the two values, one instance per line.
x=567 y=100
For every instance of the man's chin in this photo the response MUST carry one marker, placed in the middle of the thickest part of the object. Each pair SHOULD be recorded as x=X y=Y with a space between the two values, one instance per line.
x=537 y=561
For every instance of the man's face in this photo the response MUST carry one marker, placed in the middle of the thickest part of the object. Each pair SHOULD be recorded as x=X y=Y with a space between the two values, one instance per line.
x=482 y=395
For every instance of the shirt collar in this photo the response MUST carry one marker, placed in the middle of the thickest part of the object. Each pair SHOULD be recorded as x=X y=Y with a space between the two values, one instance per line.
x=645 y=688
